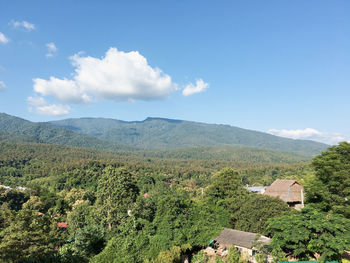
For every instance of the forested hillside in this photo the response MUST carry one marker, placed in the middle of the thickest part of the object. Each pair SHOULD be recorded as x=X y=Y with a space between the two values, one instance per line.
x=159 y=133
x=24 y=163
x=14 y=129
x=83 y=205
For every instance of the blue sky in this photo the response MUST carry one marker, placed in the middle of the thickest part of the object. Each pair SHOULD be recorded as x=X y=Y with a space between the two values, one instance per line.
x=277 y=66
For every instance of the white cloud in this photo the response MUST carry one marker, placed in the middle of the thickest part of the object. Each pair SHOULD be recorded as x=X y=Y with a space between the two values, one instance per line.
x=40 y=106
x=23 y=24
x=64 y=90
x=3 y=38
x=191 y=89
x=2 y=85
x=51 y=49
x=309 y=134
x=118 y=76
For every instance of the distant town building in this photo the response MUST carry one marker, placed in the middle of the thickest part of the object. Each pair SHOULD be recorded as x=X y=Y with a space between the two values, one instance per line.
x=290 y=191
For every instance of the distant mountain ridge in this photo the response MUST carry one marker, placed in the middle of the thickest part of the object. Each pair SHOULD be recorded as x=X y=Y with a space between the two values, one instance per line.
x=14 y=129
x=166 y=134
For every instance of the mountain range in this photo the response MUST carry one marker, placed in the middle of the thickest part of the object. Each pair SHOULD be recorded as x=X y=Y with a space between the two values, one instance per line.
x=166 y=134
x=152 y=134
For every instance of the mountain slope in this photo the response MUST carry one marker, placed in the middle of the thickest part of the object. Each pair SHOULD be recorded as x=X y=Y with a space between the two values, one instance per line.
x=165 y=134
x=14 y=129
x=230 y=154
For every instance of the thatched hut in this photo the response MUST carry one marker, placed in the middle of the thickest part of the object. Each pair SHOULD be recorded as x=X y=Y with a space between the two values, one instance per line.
x=244 y=241
x=290 y=191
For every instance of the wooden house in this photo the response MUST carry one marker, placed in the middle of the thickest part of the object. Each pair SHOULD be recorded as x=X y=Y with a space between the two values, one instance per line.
x=290 y=191
x=243 y=241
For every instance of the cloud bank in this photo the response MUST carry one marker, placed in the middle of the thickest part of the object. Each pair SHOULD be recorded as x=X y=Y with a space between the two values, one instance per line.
x=191 y=89
x=40 y=106
x=3 y=39
x=117 y=76
x=23 y=24
x=309 y=134
x=51 y=50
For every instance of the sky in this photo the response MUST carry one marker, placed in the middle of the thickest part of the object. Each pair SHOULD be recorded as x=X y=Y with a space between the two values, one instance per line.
x=281 y=67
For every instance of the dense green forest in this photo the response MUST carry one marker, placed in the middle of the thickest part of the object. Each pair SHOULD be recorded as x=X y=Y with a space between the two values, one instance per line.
x=46 y=164
x=71 y=204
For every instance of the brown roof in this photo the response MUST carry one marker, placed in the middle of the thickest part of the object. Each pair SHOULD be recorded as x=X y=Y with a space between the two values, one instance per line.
x=239 y=238
x=287 y=190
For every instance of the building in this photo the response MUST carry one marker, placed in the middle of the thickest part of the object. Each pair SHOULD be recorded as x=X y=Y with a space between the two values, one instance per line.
x=290 y=191
x=62 y=225
x=243 y=241
x=256 y=189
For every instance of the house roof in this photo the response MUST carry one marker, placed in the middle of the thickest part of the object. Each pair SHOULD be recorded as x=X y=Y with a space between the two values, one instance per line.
x=239 y=238
x=287 y=190
x=62 y=224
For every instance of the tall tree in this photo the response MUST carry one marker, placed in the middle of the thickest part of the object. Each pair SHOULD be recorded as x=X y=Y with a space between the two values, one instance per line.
x=227 y=191
x=311 y=233
x=330 y=188
x=28 y=237
x=254 y=212
x=117 y=191
x=226 y=184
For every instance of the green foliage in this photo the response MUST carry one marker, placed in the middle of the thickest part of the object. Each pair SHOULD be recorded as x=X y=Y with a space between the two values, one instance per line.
x=81 y=215
x=93 y=190
x=200 y=257
x=260 y=257
x=128 y=246
x=27 y=237
x=14 y=198
x=227 y=184
x=233 y=255
x=330 y=188
x=88 y=241
x=173 y=255
x=310 y=232
x=254 y=212
x=34 y=203
x=117 y=191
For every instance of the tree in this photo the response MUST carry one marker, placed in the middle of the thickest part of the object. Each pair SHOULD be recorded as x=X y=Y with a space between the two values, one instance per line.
x=254 y=212
x=260 y=258
x=226 y=184
x=117 y=191
x=80 y=216
x=227 y=191
x=172 y=255
x=14 y=198
x=200 y=257
x=34 y=203
x=233 y=255
x=28 y=236
x=330 y=188
x=310 y=233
